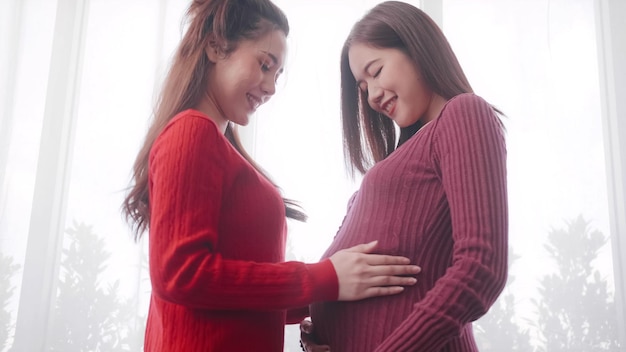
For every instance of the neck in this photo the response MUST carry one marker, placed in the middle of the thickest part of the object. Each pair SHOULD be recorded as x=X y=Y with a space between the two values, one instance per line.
x=210 y=109
x=437 y=102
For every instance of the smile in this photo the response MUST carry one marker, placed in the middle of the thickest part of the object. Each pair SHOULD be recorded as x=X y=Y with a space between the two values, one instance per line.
x=389 y=106
x=253 y=101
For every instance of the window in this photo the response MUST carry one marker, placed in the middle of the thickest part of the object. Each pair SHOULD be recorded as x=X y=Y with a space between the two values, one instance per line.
x=77 y=91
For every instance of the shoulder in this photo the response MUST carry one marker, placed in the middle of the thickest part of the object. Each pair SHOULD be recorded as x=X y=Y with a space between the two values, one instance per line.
x=191 y=126
x=468 y=111
x=191 y=120
x=467 y=120
x=467 y=98
x=466 y=105
x=190 y=132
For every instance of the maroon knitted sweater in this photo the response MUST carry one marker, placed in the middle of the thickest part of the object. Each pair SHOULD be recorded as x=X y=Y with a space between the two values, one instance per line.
x=440 y=199
x=217 y=244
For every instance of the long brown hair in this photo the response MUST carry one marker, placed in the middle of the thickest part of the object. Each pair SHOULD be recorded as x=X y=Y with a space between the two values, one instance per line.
x=220 y=23
x=369 y=136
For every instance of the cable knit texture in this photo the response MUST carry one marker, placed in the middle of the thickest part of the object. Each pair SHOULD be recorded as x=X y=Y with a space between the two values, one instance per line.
x=217 y=244
x=440 y=199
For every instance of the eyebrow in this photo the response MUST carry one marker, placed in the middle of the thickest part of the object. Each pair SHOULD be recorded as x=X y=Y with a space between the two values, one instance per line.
x=274 y=59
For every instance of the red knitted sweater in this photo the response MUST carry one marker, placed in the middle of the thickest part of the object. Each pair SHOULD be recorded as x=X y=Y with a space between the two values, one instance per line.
x=441 y=200
x=217 y=244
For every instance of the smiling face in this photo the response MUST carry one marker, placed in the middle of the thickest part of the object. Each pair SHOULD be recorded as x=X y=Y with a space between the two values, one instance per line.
x=393 y=85
x=242 y=80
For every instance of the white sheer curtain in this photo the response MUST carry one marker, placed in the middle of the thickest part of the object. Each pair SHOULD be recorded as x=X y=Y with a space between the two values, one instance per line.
x=77 y=83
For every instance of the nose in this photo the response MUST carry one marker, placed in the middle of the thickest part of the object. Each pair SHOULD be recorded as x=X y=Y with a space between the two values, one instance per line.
x=268 y=86
x=374 y=96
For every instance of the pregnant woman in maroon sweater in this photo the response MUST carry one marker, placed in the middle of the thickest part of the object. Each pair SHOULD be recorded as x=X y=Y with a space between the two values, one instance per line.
x=217 y=225
x=439 y=197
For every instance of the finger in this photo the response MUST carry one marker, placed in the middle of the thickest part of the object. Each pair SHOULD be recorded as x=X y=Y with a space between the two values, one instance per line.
x=380 y=281
x=393 y=270
x=382 y=259
x=383 y=291
x=363 y=248
x=306 y=339
x=309 y=345
x=306 y=326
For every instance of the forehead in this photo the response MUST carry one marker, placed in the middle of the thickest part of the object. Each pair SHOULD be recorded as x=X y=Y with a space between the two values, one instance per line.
x=359 y=55
x=274 y=43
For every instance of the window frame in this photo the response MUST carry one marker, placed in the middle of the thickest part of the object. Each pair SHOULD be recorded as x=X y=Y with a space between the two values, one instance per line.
x=611 y=39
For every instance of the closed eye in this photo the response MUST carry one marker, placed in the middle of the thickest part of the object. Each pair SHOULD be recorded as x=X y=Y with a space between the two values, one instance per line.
x=377 y=72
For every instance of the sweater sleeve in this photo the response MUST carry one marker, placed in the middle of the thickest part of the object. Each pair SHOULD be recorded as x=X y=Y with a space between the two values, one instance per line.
x=188 y=172
x=296 y=315
x=469 y=149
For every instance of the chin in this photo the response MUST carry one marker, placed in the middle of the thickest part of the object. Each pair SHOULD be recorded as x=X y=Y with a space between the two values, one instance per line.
x=402 y=123
x=243 y=121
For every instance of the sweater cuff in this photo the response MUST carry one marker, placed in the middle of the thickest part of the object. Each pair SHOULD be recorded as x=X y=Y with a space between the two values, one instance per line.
x=324 y=281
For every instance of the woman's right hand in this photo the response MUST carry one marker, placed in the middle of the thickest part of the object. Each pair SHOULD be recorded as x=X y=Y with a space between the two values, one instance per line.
x=362 y=274
x=307 y=340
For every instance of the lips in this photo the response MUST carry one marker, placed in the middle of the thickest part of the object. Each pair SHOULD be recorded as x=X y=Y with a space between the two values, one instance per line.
x=253 y=101
x=389 y=106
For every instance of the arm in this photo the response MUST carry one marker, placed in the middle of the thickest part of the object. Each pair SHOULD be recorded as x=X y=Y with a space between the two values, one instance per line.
x=188 y=175
x=469 y=148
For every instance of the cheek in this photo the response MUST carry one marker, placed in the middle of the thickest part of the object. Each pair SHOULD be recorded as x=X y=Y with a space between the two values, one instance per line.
x=417 y=89
x=236 y=73
x=247 y=79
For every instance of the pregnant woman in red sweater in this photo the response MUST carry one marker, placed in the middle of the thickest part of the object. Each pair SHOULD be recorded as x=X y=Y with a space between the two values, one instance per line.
x=438 y=197
x=217 y=225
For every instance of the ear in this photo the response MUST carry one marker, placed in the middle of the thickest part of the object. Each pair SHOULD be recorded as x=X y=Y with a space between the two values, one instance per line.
x=213 y=49
x=212 y=52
